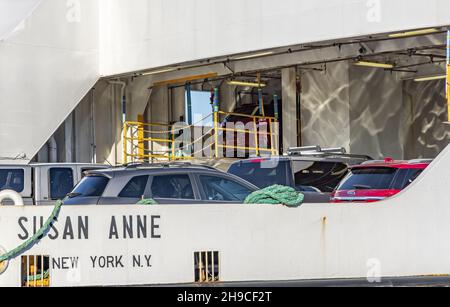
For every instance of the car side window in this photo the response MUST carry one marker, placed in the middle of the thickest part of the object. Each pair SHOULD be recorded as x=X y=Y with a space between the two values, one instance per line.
x=61 y=182
x=405 y=177
x=12 y=179
x=172 y=187
x=412 y=176
x=135 y=188
x=223 y=189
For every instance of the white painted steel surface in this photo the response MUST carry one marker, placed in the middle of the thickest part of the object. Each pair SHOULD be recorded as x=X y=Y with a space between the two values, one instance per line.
x=46 y=67
x=48 y=64
x=13 y=12
x=150 y=33
x=404 y=236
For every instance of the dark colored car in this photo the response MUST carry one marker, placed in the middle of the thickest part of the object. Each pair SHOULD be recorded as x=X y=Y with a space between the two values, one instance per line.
x=376 y=181
x=313 y=171
x=174 y=183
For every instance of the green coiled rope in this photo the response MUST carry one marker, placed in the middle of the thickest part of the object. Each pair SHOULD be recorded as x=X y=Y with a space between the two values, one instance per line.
x=276 y=195
x=35 y=238
x=147 y=202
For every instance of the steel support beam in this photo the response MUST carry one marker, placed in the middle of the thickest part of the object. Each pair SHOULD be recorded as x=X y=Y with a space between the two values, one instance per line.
x=289 y=107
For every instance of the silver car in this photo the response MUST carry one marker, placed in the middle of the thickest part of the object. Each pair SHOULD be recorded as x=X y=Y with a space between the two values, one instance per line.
x=172 y=183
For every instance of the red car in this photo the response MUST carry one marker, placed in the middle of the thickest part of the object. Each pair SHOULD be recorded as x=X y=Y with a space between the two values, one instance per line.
x=377 y=180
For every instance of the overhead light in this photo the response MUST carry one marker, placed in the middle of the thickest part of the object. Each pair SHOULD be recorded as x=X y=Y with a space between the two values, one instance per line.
x=256 y=55
x=158 y=71
x=414 y=33
x=430 y=78
x=374 y=64
x=249 y=84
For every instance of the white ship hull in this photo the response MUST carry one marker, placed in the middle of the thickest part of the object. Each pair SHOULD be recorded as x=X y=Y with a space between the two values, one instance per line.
x=145 y=245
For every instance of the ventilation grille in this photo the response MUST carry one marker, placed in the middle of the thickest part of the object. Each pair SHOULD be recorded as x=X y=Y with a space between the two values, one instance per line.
x=206 y=265
x=35 y=271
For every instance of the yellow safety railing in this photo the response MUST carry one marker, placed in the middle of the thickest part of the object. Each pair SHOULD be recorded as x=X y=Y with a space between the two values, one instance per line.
x=140 y=139
x=271 y=134
x=134 y=140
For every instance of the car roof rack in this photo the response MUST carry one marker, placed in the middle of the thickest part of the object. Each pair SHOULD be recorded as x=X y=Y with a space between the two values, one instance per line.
x=376 y=162
x=317 y=151
x=392 y=161
x=311 y=150
x=136 y=165
x=419 y=161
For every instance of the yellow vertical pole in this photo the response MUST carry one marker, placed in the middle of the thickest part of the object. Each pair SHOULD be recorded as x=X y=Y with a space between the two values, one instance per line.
x=216 y=133
x=34 y=274
x=173 y=145
x=216 y=121
x=256 y=136
x=125 y=143
x=277 y=137
x=276 y=124
x=272 y=139
x=141 y=145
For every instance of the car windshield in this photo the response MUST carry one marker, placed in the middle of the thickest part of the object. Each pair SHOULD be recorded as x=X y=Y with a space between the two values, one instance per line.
x=369 y=179
x=91 y=186
x=320 y=176
x=223 y=189
x=261 y=173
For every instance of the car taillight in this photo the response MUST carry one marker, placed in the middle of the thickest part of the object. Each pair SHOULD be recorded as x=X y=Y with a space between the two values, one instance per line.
x=333 y=195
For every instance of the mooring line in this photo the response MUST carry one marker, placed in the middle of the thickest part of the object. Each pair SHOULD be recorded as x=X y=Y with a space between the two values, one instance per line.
x=36 y=237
